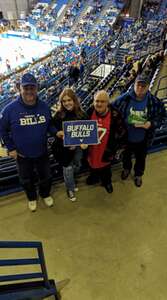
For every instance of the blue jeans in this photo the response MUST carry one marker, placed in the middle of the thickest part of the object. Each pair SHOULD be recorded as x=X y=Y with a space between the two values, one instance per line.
x=72 y=169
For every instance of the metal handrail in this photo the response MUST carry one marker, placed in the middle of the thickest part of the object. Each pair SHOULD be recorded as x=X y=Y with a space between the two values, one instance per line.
x=159 y=83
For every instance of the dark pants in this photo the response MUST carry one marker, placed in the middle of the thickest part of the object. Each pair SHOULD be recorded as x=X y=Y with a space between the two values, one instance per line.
x=102 y=174
x=28 y=178
x=72 y=80
x=140 y=151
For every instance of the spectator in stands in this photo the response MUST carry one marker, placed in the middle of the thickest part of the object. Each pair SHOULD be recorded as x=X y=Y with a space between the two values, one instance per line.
x=152 y=63
x=83 y=54
x=8 y=66
x=159 y=57
x=68 y=157
x=142 y=113
x=127 y=80
x=128 y=64
x=82 y=69
x=24 y=127
x=139 y=67
x=74 y=74
x=112 y=136
x=102 y=55
x=109 y=53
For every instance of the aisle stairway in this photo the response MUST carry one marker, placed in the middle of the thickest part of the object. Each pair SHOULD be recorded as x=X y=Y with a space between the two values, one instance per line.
x=81 y=15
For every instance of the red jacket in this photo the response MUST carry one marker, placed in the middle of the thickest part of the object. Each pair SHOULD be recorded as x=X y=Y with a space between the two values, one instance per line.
x=117 y=136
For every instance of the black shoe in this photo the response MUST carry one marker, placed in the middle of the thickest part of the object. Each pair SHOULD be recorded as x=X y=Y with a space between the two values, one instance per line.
x=90 y=180
x=109 y=188
x=138 y=181
x=125 y=173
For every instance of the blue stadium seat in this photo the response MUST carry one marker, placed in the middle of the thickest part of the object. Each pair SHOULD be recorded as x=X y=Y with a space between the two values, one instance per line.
x=26 y=290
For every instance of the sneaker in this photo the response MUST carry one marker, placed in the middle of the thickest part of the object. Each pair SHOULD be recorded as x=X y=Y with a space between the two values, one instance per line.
x=32 y=205
x=48 y=201
x=125 y=173
x=138 y=181
x=76 y=189
x=71 y=196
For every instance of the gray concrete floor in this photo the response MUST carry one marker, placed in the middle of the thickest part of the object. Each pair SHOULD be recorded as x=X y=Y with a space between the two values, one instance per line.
x=103 y=247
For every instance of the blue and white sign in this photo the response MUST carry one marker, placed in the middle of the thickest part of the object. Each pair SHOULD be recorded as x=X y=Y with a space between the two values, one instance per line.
x=80 y=132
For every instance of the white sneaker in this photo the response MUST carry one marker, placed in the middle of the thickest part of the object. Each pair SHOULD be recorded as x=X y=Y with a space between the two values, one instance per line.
x=76 y=189
x=48 y=201
x=32 y=205
x=71 y=196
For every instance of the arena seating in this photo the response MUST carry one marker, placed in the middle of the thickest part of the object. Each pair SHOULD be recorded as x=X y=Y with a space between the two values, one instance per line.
x=154 y=9
x=138 y=41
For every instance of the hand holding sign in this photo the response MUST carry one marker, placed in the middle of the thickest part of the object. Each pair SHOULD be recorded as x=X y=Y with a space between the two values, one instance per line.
x=60 y=134
x=83 y=146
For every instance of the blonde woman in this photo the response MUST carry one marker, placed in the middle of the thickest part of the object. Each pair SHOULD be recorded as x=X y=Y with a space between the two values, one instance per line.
x=68 y=157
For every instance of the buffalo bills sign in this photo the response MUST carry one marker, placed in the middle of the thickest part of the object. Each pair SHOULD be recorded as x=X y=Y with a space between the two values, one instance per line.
x=80 y=132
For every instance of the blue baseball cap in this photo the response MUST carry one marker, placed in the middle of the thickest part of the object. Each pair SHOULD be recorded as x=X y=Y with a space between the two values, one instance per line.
x=143 y=79
x=28 y=79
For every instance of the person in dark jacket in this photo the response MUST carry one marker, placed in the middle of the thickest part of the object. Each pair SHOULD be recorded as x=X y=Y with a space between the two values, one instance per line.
x=81 y=70
x=68 y=157
x=102 y=55
x=83 y=54
x=24 y=125
x=112 y=137
x=74 y=74
x=143 y=113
